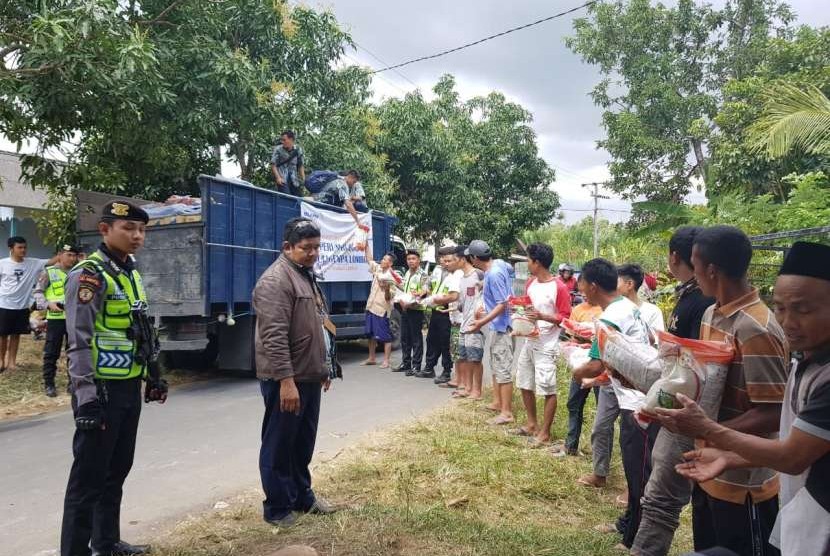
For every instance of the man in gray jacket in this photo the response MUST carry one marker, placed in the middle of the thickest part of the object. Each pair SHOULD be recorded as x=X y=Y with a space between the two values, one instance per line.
x=291 y=366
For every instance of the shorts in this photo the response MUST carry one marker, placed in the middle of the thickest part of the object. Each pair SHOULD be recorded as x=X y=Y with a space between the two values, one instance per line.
x=378 y=328
x=14 y=321
x=471 y=347
x=536 y=368
x=501 y=356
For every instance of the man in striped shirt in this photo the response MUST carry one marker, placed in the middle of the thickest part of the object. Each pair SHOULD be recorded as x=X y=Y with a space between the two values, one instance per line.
x=737 y=510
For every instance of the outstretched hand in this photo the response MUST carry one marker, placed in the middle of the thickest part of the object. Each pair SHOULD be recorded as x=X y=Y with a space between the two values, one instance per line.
x=690 y=421
x=704 y=464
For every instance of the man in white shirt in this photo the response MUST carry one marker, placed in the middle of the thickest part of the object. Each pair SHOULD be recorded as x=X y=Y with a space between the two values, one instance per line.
x=630 y=278
x=536 y=368
x=599 y=282
x=18 y=275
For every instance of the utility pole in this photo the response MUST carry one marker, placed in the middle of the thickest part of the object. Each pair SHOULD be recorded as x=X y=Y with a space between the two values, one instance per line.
x=596 y=197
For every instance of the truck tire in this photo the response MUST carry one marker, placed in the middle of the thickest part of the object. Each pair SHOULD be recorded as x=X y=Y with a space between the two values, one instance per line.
x=395 y=327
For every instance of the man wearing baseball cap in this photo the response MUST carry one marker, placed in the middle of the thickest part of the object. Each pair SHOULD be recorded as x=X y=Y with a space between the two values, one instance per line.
x=498 y=286
x=49 y=296
x=802 y=450
x=105 y=307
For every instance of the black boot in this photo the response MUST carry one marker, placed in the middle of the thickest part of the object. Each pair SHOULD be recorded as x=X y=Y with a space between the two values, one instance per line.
x=425 y=374
x=50 y=390
x=443 y=378
x=122 y=548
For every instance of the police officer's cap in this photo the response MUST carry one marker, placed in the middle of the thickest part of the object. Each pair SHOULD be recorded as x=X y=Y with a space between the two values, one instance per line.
x=69 y=248
x=122 y=210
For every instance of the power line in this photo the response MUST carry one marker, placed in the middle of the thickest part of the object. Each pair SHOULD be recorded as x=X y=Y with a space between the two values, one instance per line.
x=376 y=57
x=359 y=63
x=485 y=39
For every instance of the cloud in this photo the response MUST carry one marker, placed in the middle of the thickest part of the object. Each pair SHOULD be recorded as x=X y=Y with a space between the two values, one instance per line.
x=533 y=67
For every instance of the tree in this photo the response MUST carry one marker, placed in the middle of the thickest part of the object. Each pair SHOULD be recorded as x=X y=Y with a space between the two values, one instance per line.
x=464 y=169
x=736 y=164
x=794 y=119
x=663 y=69
x=141 y=95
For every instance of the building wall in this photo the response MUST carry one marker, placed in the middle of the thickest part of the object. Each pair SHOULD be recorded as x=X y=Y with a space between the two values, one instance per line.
x=27 y=228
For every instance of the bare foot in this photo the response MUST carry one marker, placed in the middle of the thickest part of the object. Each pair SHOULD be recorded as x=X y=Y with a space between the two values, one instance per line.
x=501 y=420
x=384 y=365
x=491 y=407
x=476 y=397
x=369 y=362
x=592 y=481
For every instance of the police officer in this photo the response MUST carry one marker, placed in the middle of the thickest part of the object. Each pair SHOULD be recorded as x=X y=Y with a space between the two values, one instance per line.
x=49 y=296
x=106 y=367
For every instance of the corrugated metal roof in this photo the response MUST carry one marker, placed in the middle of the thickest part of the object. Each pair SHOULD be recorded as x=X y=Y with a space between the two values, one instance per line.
x=14 y=193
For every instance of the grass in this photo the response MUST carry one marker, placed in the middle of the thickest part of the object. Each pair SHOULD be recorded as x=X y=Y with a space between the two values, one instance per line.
x=447 y=484
x=21 y=390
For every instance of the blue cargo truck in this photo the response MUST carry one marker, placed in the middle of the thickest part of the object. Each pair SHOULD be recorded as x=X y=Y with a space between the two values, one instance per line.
x=200 y=270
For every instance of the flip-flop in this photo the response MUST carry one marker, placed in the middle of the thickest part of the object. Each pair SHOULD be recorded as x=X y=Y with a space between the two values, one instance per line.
x=500 y=420
x=368 y=363
x=535 y=444
x=447 y=385
x=521 y=431
x=384 y=366
x=459 y=394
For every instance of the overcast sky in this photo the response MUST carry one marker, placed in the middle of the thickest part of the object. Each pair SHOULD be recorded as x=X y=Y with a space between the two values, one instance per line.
x=532 y=66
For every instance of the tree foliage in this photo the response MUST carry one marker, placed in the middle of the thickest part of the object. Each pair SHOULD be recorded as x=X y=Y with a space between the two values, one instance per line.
x=464 y=169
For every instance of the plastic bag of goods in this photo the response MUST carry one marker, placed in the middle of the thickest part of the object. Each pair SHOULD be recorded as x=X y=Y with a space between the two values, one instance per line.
x=695 y=368
x=584 y=330
x=361 y=237
x=521 y=325
x=637 y=362
x=575 y=355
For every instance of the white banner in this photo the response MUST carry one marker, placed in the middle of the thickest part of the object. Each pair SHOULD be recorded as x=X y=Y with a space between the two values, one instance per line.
x=342 y=245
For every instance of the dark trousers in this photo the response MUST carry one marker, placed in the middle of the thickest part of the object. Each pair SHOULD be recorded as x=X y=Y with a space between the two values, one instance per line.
x=577 y=396
x=412 y=339
x=287 y=446
x=636 y=444
x=103 y=459
x=438 y=342
x=55 y=340
x=744 y=528
x=290 y=189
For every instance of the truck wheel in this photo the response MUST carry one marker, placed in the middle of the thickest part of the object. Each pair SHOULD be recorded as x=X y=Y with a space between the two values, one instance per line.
x=395 y=326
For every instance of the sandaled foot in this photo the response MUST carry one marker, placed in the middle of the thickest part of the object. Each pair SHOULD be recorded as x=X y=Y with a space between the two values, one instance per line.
x=500 y=420
x=521 y=431
x=384 y=365
x=370 y=362
x=535 y=443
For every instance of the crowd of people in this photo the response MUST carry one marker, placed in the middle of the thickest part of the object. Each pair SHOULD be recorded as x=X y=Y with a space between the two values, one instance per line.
x=677 y=456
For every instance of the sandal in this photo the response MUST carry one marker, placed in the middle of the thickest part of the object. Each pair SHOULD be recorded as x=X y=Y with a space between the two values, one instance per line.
x=521 y=431
x=534 y=443
x=384 y=365
x=369 y=362
x=500 y=420
x=447 y=385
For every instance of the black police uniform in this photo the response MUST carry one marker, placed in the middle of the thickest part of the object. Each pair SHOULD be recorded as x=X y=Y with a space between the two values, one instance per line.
x=106 y=410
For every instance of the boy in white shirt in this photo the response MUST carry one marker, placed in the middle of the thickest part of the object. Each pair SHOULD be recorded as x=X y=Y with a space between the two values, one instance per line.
x=536 y=368
x=629 y=279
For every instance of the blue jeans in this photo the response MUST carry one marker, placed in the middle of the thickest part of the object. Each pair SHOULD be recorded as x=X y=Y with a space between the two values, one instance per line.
x=577 y=396
x=287 y=446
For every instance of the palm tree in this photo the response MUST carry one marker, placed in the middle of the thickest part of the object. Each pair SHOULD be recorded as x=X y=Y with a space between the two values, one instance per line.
x=793 y=119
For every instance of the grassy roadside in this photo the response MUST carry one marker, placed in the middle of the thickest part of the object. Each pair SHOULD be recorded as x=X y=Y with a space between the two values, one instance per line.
x=21 y=390
x=447 y=484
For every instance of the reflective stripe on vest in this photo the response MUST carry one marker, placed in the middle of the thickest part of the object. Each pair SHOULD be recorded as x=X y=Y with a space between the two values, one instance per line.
x=55 y=292
x=441 y=288
x=113 y=349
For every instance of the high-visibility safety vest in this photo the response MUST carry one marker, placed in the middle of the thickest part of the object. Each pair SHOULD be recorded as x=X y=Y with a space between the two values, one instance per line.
x=412 y=283
x=55 y=292
x=441 y=288
x=113 y=347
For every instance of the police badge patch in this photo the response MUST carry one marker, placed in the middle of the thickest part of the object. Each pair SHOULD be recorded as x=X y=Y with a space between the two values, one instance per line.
x=120 y=209
x=85 y=295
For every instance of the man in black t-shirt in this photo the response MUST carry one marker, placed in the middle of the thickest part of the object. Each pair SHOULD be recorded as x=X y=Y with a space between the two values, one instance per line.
x=667 y=492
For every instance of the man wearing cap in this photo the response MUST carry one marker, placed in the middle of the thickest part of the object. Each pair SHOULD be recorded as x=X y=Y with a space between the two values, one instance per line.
x=49 y=297
x=498 y=286
x=106 y=371
x=802 y=451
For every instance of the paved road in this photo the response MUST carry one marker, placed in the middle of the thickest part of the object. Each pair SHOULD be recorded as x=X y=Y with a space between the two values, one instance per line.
x=200 y=446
